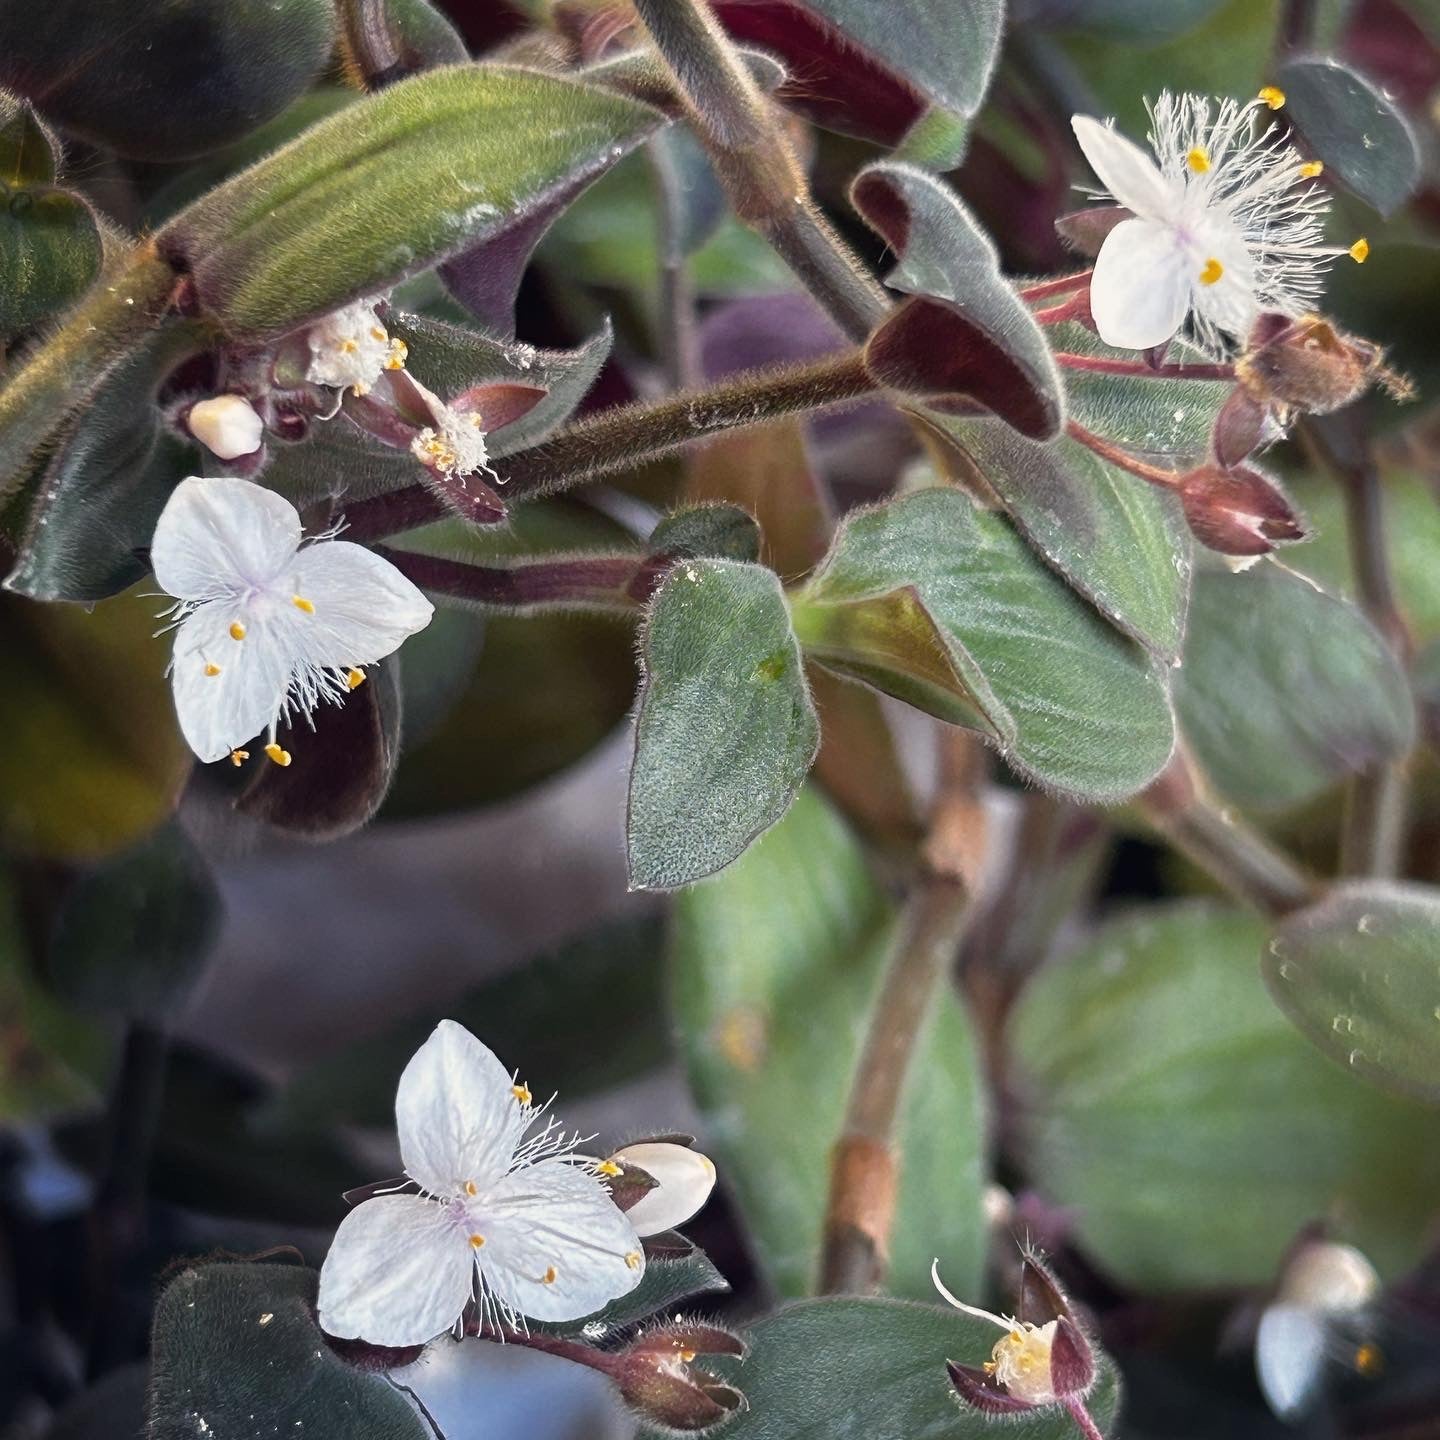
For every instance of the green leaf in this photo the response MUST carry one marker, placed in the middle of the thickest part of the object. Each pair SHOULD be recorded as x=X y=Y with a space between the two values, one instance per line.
x=851 y=1369
x=944 y=49
x=1133 y=22
x=27 y=149
x=726 y=732
x=1123 y=544
x=160 y=81
x=1076 y=706
x=1285 y=689
x=980 y=340
x=1358 y=974
x=50 y=251
x=1345 y=121
x=716 y=532
x=237 y=1350
x=98 y=498
x=543 y=1017
x=445 y=160
x=774 y=967
x=1188 y=1127
x=133 y=935
x=92 y=757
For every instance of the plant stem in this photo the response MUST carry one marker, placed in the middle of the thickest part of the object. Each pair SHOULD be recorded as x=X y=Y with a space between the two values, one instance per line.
x=631 y=435
x=1377 y=804
x=1241 y=860
x=756 y=163
x=1155 y=474
x=1101 y=365
x=1044 y=289
x=1081 y=1416
x=43 y=393
x=678 y=341
x=864 y=1171
x=616 y=583
x=367 y=44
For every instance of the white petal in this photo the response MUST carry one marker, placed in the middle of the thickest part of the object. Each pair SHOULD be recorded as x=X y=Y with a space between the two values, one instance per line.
x=1229 y=303
x=1334 y=1279
x=555 y=1220
x=219 y=712
x=364 y=607
x=1126 y=171
x=400 y=1271
x=217 y=537
x=226 y=425
x=685 y=1179
x=1141 y=287
x=457 y=1114
x=1289 y=1357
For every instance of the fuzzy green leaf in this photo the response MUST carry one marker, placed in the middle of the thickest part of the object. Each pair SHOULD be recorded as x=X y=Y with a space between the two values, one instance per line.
x=50 y=251
x=1160 y=1028
x=774 y=966
x=1075 y=705
x=1285 y=689
x=1359 y=973
x=444 y=160
x=726 y=731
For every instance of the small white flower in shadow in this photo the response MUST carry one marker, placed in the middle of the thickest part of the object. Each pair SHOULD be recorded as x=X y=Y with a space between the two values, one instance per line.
x=351 y=348
x=266 y=626
x=1225 y=222
x=522 y=1225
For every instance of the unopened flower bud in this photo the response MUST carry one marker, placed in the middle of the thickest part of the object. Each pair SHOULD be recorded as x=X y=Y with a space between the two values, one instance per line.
x=226 y=425
x=1312 y=366
x=682 y=1181
x=1239 y=511
x=658 y=1376
x=1333 y=1279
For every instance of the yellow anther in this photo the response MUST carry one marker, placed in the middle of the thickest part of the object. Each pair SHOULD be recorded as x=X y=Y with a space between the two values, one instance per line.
x=378 y=332
x=1311 y=168
x=279 y=756
x=1198 y=159
x=359 y=388
x=1273 y=96
x=301 y=603
x=687 y=1357
x=1211 y=272
x=211 y=669
x=989 y=1367
x=608 y=1167
x=354 y=678
x=398 y=351
x=237 y=630
x=471 y=1188
x=477 y=1241
x=349 y=347
x=1369 y=1360
x=632 y=1259
x=1360 y=251
x=477 y=422
x=239 y=757
x=550 y=1276
x=521 y=1093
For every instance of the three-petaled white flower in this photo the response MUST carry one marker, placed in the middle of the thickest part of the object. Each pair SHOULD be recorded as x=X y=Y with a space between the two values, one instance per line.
x=1225 y=225
x=265 y=625
x=522 y=1226
x=350 y=348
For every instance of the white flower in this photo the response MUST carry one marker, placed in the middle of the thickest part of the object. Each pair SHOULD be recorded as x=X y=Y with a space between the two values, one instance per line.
x=226 y=425
x=1225 y=225
x=683 y=1179
x=266 y=626
x=1322 y=1287
x=520 y=1224
x=455 y=443
x=351 y=348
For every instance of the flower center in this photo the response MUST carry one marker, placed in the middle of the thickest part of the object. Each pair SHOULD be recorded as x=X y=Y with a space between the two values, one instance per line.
x=1021 y=1363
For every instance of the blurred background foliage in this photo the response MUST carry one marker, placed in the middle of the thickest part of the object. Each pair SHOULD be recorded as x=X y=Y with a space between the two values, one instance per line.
x=1111 y=1078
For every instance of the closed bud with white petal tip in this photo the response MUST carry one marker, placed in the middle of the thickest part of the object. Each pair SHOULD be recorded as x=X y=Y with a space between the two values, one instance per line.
x=683 y=1180
x=1330 y=1278
x=226 y=425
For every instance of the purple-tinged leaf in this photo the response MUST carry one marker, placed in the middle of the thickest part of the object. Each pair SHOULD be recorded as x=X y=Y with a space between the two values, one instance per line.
x=1040 y=1300
x=1072 y=1362
x=977 y=1389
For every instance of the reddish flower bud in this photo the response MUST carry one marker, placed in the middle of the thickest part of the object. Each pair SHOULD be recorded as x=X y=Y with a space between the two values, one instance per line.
x=1239 y=511
x=657 y=1375
x=1312 y=366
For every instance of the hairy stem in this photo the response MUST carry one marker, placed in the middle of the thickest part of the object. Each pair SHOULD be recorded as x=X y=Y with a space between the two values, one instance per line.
x=1377 y=805
x=756 y=163
x=631 y=435
x=40 y=395
x=1081 y=1416
x=367 y=44
x=864 y=1172
x=678 y=339
x=618 y=583
x=1123 y=459
x=1241 y=860
x=1044 y=289
x=1101 y=365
